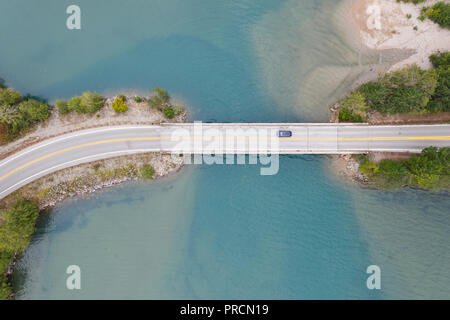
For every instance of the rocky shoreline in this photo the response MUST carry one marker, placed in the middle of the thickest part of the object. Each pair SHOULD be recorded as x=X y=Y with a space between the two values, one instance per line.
x=85 y=179
x=88 y=178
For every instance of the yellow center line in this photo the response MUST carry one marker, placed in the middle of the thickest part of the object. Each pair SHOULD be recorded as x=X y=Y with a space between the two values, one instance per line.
x=73 y=148
x=210 y=138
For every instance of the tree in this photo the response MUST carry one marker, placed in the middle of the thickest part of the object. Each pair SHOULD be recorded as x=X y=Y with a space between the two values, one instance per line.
x=147 y=171
x=34 y=111
x=119 y=105
x=15 y=232
x=6 y=290
x=18 y=113
x=23 y=115
x=19 y=225
x=74 y=104
x=62 y=106
x=427 y=169
x=393 y=170
x=9 y=97
x=440 y=100
x=91 y=102
x=407 y=90
x=354 y=102
x=88 y=102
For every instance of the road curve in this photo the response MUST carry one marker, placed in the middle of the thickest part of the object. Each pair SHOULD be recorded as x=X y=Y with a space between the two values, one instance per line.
x=89 y=145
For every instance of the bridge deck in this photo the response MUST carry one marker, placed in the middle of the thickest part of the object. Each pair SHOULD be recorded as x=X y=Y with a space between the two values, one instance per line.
x=94 y=144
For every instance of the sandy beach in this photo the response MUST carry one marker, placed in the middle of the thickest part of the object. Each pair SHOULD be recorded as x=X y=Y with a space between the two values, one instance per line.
x=388 y=24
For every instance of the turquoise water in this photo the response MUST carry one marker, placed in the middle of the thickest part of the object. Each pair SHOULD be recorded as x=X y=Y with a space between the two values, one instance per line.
x=219 y=231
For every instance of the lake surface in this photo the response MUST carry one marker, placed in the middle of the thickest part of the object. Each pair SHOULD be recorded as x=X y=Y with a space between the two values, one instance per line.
x=220 y=231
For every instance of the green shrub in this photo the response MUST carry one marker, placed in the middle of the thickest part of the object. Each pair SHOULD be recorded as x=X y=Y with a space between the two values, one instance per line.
x=413 y=1
x=88 y=102
x=15 y=233
x=346 y=115
x=19 y=224
x=155 y=103
x=91 y=102
x=119 y=105
x=62 y=106
x=18 y=113
x=354 y=102
x=5 y=260
x=429 y=170
x=138 y=99
x=407 y=90
x=353 y=107
x=160 y=99
x=162 y=94
x=169 y=113
x=429 y=167
x=34 y=111
x=6 y=290
x=178 y=109
x=440 y=100
x=74 y=104
x=123 y=97
x=393 y=170
x=441 y=59
x=9 y=97
x=361 y=157
x=439 y=13
x=23 y=115
x=147 y=171
x=368 y=168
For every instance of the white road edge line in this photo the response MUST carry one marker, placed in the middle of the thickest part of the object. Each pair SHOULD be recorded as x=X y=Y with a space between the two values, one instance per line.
x=107 y=155
x=68 y=136
x=77 y=161
x=105 y=129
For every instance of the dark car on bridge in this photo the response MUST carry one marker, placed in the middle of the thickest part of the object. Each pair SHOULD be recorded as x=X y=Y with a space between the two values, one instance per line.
x=284 y=134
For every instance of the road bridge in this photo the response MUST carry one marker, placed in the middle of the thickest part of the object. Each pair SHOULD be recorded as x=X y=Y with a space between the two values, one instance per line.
x=90 y=145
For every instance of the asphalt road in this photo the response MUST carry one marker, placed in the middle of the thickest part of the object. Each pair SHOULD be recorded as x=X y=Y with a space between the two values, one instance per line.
x=94 y=144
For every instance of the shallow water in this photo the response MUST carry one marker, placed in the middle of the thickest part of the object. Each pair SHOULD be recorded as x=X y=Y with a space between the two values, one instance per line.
x=220 y=231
